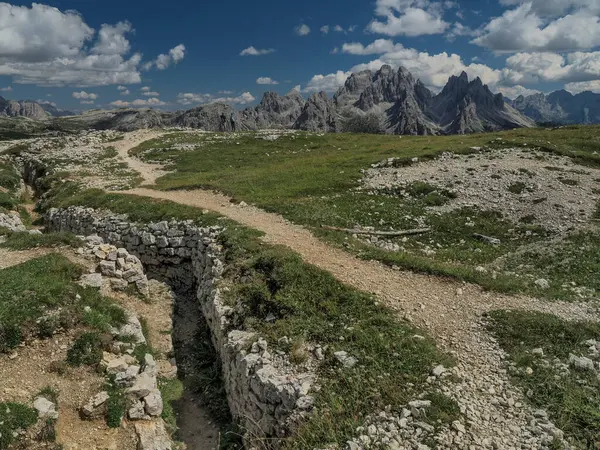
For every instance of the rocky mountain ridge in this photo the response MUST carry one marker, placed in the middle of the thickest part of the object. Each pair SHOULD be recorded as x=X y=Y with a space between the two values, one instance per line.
x=385 y=101
x=561 y=107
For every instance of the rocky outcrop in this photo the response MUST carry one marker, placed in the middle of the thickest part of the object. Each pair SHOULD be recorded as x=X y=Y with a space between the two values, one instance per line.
x=213 y=117
x=561 y=107
x=470 y=107
x=319 y=115
x=274 y=111
x=29 y=109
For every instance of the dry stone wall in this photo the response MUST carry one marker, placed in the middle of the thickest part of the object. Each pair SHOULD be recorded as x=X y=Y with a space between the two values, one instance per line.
x=266 y=394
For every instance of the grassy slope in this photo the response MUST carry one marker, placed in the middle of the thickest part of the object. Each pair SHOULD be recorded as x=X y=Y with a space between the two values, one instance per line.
x=310 y=180
x=572 y=400
x=44 y=288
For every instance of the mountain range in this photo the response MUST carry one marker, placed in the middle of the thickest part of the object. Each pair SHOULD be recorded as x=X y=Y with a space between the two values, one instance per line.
x=561 y=107
x=385 y=101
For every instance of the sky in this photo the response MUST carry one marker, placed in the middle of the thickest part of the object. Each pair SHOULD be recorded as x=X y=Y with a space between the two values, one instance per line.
x=84 y=54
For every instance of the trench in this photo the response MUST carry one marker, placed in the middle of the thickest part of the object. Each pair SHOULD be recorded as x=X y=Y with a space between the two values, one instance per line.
x=197 y=365
x=202 y=413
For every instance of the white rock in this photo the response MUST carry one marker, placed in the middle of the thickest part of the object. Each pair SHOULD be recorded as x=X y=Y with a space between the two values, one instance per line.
x=45 y=408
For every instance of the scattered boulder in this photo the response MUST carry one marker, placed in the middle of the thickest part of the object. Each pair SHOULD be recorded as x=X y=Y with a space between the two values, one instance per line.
x=95 y=407
x=93 y=280
x=581 y=362
x=347 y=361
x=45 y=408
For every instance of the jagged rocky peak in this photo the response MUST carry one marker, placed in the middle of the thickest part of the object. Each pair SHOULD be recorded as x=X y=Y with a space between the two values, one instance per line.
x=274 y=102
x=390 y=86
x=319 y=114
x=356 y=83
x=469 y=107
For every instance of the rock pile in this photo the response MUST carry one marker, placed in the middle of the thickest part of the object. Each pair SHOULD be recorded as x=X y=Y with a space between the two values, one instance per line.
x=116 y=264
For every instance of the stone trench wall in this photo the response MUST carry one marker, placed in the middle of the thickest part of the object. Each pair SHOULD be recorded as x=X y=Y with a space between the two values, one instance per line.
x=266 y=395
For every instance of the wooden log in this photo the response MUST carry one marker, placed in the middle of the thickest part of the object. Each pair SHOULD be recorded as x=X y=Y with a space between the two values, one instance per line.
x=379 y=233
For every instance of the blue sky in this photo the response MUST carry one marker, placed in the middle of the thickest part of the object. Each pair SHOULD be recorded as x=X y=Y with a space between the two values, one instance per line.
x=83 y=54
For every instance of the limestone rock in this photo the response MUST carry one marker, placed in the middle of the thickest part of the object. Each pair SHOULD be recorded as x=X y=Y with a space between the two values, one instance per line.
x=93 y=280
x=153 y=435
x=45 y=408
x=153 y=404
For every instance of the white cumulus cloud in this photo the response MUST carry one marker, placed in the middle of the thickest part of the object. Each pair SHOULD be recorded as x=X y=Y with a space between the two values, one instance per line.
x=327 y=83
x=190 y=98
x=164 y=60
x=6 y=89
x=535 y=27
x=409 y=18
x=266 y=80
x=253 y=51
x=45 y=46
x=302 y=30
x=582 y=86
x=85 y=95
x=151 y=94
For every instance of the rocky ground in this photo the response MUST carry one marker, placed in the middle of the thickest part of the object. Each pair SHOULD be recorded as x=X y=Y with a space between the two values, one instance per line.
x=524 y=185
x=80 y=406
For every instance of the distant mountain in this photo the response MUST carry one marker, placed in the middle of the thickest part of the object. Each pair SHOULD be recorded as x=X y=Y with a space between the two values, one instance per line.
x=23 y=108
x=561 y=107
x=386 y=101
x=406 y=106
x=54 y=111
x=395 y=96
x=470 y=107
x=274 y=111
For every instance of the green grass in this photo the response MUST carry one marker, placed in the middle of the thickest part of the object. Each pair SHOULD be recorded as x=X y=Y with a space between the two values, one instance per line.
x=86 y=350
x=571 y=400
x=14 y=417
x=116 y=403
x=45 y=288
x=171 y=391
x=310 y=305
x=311 y=180
x=49 y=393
x=25 y=240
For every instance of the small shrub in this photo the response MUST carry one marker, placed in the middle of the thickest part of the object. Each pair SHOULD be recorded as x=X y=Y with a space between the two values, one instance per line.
x=58 y=367
x=14 y=417
x=48 y=393
x=48 y=431
x=517 y=188
x=115 y=405
x=86 y=350
x=10 y=337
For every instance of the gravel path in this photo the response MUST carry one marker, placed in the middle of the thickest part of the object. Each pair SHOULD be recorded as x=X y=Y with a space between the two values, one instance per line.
x=150 y=172
x=450 y=310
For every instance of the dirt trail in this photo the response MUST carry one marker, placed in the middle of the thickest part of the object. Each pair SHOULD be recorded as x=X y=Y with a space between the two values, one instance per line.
x=449 y=309
x=150 y=172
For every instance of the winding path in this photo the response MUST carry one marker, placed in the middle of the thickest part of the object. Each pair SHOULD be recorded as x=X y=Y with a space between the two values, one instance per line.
x=449 y=309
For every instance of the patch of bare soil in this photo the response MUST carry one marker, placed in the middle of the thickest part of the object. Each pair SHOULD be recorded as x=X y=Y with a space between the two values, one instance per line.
x=27 y=371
